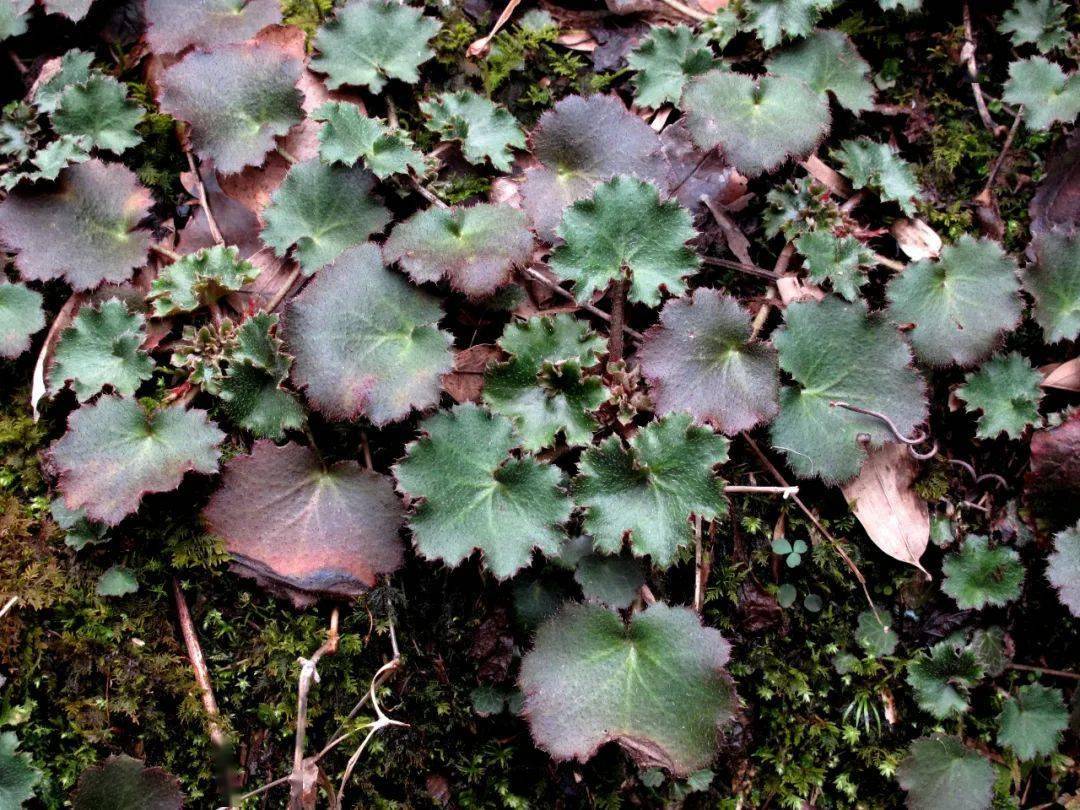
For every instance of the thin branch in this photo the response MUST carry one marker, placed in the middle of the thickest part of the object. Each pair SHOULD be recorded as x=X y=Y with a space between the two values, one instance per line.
x=279 y=296
x=198 y=666
x=308 y=675
x=599 y=313
x=778 y=476
x=200 y=192
x=968 y=55
x=285 y=153
x=700 y=572
x=750 y=269
x=617 y=292
x=1002 y=154
x=892 y=264
x=1060 y=673
x=426 y=193
x=686 y=11
x=480 y=46
x=918 y=438
x=172 y=255
x=8 y=605
x=381 y=722
x=784 y=491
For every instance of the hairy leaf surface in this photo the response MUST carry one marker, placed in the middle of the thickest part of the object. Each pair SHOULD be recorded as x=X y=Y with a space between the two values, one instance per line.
x=102 y=347
x=1031 y=722
x=940 y=772
x=773 y=20
x=943 y=677
x=656 y=686
x=348 y=136
x=1063 y=568
x=365 y=342
x=840 y=260
x=829 y=62
x=1047 y=93
x=17 y=773
x=1036 y=22
x=1054 y=283
x=123 y=783
x=100 y=113
x=878 y=167
x=485 y=130
x=665 y=60
x=200 y=279
x=978 y=576
x=206 y=23
x=1006 y=390
x=20 y=317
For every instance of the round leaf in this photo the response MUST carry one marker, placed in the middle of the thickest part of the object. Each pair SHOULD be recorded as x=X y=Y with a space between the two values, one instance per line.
x=20 y=317
x=979 y=576
x=206 y=23
x=829 y=62
x=1031 y=723
x=1063 y=568
x=123 y=783
x=1054 y=283
x=940 y=772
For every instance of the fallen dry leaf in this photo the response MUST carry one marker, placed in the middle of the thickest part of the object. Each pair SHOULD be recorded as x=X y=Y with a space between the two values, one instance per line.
x=917 y=239
x=882 y=497
x=1065 y=376
x=1052 y=485
x=792 y=289
x=466 y=382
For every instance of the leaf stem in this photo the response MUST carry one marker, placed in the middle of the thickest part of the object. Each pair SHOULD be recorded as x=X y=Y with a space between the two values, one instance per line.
x=200 y=192
x=1060 y=673
x=539 y=278
x=617 y=293
x=308 y=674
x=198 y=666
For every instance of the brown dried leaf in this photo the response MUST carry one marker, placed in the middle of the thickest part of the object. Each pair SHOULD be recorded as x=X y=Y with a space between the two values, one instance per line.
x=1065 y=376
x=1052 y=485
x=466 y=382
x=882 y=497
x=917 y=239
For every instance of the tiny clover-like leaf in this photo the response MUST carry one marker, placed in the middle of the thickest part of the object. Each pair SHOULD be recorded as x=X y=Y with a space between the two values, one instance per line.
x=1063 y=568
x=293 y=523
x=580 y=143
x=102 y=347
x=237 y=100
x=878 y=167
x=20 y=317
x=1054 y=283
x=648 y=490
x=371 y=41
x=100 y=113
x=840 y=260
x=322 y=210
x=1031 y=722
x=941 y=772
x=13 y=17
x=123 y=783
x=834 y=353
x=699 y=358
x=960 y=304
x=1006 y=390
x=758 y=123
x=655 y=685
x=365 y=342
x=200 y=279
x=664 y=60
x=115 y=452
x=474 y=247
x=252 y=394
x=941 y=678
x=541 y=388
x=473 y=494
x=829 y=62
x=875 y=635
x=486 y=131
x=978 y=576
x=206 y=23
x=1038 y=22
x=1047 y=93
x=774 y=20
x=84 y=232
x=625 y=230
x=348 y=135
x=17 y=772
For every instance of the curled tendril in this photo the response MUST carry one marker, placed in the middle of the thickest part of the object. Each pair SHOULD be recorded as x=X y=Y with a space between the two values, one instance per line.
x=911 y=441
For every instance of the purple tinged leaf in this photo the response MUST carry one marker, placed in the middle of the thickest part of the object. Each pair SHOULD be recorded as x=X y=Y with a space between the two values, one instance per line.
x=206 y=23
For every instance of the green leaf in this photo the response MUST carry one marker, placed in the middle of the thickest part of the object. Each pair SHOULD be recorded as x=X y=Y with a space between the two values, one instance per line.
x=293 y=523
x=117 y=581
x=56 y=156
x=829 y=62
x=1031 y=723
x=940 y=772
x=834 y=352
x=475 y=247
x=100 y=112
x=648 y=490
x=473 y=494
x=838 y=260
x=200 y=279
x=20 y=317
x=1063 y=568
x=541 y=388
x=774 y=20
x=625 y=230
x=251 y=390
x=102 y=347
x=799 y=207
x=991 y=649
x=611 y=581
x=322 y=210
x=348 y=135
x=17 y=772
x=74 y=69
x=237 y=99
x=656 y=686
x=699 y=358
x=906 y=5
x=486 y=131
x=365 y=342
x=80 y=532
x=114 y=453
x=879 y=167
x=1006 y=390
x=664 y=60
x=758 y=123
x=1054 y=283
x=1048 y=95
x=13 y=14
x=84 y=232
x=574 y=160
x=942 y=678
x=978 y=576
x=371 y=41
x=123 y=783
x=875 y=635
x=1038 y=22
x=206 y=23
x=961 y=303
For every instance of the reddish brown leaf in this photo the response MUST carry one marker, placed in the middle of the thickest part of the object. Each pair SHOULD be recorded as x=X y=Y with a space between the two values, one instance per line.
x=466 y=382
x=205 y=23
x=1052 y=485
x=1056 y=204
